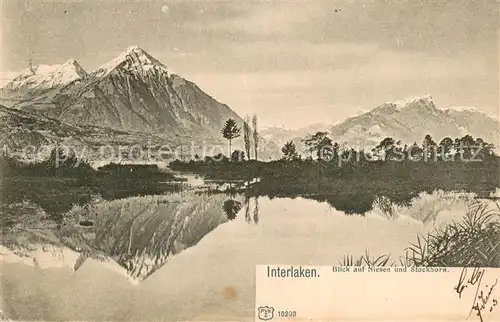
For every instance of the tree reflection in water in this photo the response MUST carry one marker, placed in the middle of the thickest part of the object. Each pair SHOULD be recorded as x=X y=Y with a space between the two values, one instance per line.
x=231 y=208
x=256 y=211
x=248 y=219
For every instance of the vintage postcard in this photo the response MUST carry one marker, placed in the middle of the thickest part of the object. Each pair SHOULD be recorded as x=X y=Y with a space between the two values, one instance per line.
x=196 y=160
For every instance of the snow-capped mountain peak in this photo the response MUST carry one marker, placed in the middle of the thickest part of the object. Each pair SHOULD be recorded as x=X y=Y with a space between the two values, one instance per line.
x=47 y=76
x=134 y=59
x=425 y=99
x=399 y=105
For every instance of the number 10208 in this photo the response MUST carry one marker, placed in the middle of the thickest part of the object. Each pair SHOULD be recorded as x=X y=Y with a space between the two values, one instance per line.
x=287 y=314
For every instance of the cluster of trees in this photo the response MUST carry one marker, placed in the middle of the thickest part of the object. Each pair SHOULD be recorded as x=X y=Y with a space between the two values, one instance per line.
x=465 y=148
x=318 y=143
x=231 y=131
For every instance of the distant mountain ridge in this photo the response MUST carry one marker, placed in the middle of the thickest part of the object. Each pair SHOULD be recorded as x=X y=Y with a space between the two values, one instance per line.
x=281 y=135
x=408 y=120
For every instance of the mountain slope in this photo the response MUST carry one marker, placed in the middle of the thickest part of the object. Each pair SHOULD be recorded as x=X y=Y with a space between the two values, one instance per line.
x=22 y=131
x=470 y=120
x=205 y=110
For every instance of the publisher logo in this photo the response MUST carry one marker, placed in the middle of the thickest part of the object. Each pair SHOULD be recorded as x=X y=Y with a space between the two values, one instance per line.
x=266 y=312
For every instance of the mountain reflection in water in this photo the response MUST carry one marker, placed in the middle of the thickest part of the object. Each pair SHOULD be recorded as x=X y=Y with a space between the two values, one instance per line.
x=138 y=233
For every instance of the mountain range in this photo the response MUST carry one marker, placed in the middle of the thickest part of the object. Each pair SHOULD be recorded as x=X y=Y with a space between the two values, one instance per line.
x=408 y=120
x=134 y=93
x=136 y=98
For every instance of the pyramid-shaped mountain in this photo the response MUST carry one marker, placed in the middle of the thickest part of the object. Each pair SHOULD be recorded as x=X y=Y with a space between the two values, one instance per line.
x=136 y=92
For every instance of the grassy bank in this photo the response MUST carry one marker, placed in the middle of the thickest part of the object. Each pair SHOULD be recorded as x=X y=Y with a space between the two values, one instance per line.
x=60 y=182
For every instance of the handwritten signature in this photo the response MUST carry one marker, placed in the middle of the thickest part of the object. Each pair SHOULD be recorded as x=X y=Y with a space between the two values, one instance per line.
x=473 y=279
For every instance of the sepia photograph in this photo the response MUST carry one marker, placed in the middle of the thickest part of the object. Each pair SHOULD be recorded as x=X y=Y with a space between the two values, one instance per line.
x=249 y=160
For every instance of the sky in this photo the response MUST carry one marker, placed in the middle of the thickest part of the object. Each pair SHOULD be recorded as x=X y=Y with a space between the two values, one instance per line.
x=293 y=63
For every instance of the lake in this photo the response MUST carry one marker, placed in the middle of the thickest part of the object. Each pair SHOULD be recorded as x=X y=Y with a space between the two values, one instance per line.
x=187 y=255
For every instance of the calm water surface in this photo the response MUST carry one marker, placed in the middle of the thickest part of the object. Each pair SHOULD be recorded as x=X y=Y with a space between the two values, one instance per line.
x=190 y=256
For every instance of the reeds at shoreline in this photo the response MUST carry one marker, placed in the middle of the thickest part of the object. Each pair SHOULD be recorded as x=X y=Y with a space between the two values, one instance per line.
x=474 y=241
